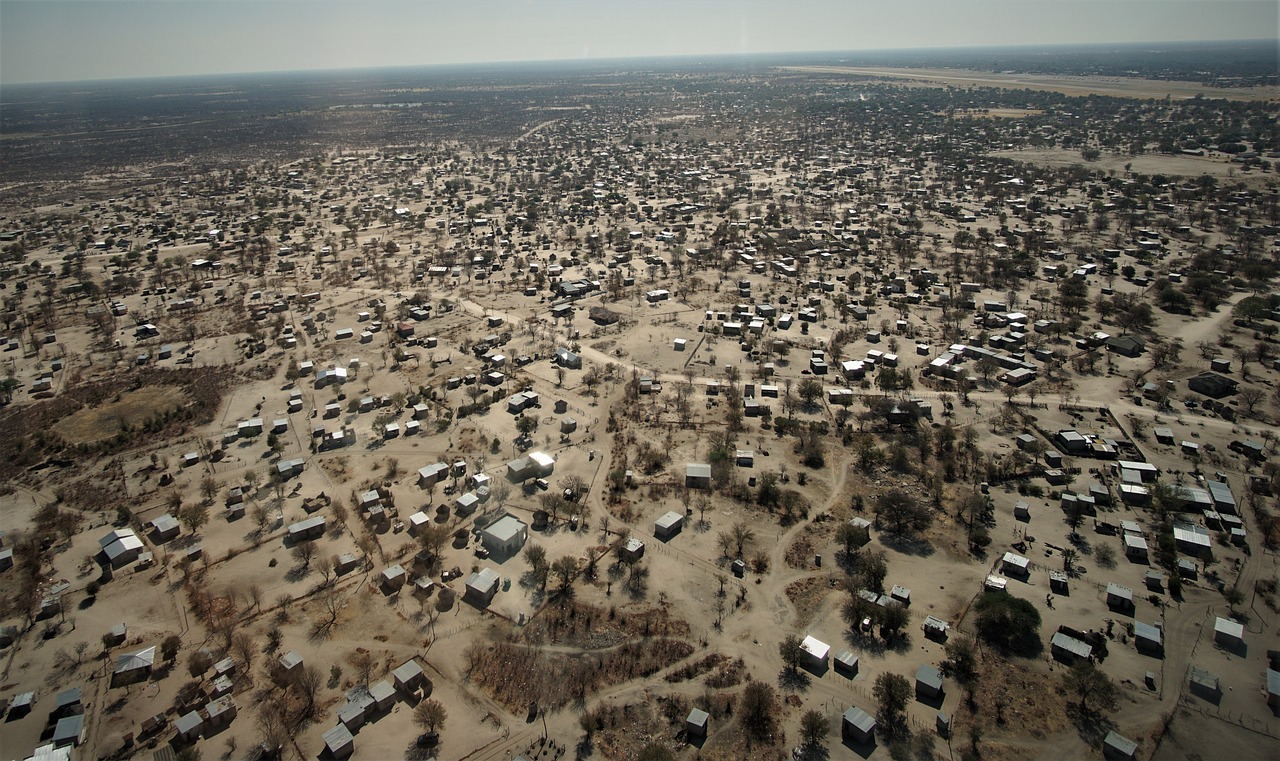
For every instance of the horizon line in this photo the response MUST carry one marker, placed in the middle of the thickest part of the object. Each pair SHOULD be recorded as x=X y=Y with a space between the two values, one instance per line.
x=651 y=58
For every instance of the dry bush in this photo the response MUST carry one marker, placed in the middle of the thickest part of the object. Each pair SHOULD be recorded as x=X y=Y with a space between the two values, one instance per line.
x=513 y=674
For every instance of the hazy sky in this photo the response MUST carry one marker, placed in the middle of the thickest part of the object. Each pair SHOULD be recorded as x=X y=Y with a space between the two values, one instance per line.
x=67 y=40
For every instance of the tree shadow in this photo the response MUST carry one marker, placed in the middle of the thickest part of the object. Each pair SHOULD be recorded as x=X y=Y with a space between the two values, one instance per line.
x=793 y=680
x=1091 y=726
x=297 y=573
x=906 y=545
x=867 y=643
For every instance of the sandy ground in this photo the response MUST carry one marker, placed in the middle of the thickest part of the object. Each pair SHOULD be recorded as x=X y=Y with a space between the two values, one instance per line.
x=1123 y=87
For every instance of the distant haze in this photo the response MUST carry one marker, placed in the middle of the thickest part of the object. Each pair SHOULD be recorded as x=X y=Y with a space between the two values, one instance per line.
x=53 y=40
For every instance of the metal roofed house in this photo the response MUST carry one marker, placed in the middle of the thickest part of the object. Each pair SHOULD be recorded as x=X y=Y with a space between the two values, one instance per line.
x=219 y=713
x=120 y=547
x=69 y=731
x=815 y=651
x=68 y=703
x=668 y=525
x=632 y=549
x=505 y=536
x=383 y=695
x=409 y=677
x=1148 y=639
x=432 y=474
x=1192 y=539
x=310 y=528
x=1117 y=747
x=338 y=742
x=1228 y=634
x=857 y=726
x=1068 y=649
x=189 y=725
x=847 y=663
x=935 y=628
x=481 y=586
x=134 y=666
x=696 y=723
x=928 y=681
x=1212 y=385
x=1135 y=548
x=1119 y=598
x=697 y=475
x=467 y=503
x=290 y=660
x=1205 y=685
x=392 y=578
x=1015 y=565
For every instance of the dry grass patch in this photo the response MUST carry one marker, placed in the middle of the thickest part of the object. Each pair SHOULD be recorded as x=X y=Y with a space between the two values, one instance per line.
x=591 y=627
x=807 y=596
x=514 y=674
x=800 y=551
x=129 y=410
x=723 y=671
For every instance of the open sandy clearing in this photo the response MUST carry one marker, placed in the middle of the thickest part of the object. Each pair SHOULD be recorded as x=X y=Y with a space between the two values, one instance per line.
x=1153 y=163
x=1120 y=87
x=130 y=409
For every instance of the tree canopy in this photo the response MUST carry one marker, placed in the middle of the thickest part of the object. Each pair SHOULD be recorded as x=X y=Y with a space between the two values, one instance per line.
x=1009 y=623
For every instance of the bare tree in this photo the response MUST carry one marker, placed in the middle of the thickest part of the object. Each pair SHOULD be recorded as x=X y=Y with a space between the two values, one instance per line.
x=363 y=662
x=303 y=552
x=430 y=714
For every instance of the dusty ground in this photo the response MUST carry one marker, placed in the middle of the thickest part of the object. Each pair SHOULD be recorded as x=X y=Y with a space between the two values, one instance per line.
x=1123 y=87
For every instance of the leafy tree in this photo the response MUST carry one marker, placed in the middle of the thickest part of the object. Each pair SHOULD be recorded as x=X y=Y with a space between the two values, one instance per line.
x=1009 y=623
x=872 y=569
x=194 y=516
x=892 y=619
x=1093 y=689
x=961 y=663
x=902 y=512
x=536 y=555
x=850 y=538
x=757 y=708
x=892 y=693
x=809 y=391
x=169 y=648
x=791 y=651
x=813 y=729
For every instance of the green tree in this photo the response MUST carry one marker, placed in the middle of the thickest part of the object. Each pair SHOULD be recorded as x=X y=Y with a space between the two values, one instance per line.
x=1094 y=691
x=757 y=710
x=1009 y=623
x=791 y=651
x=850 y=538
x=961 y=663
x=904 y=514
x=536 y=555
x=813 y=729
x=170 y=646
x=892 y=693
x=809 y=391
x=194 y=516
x=892 y=620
